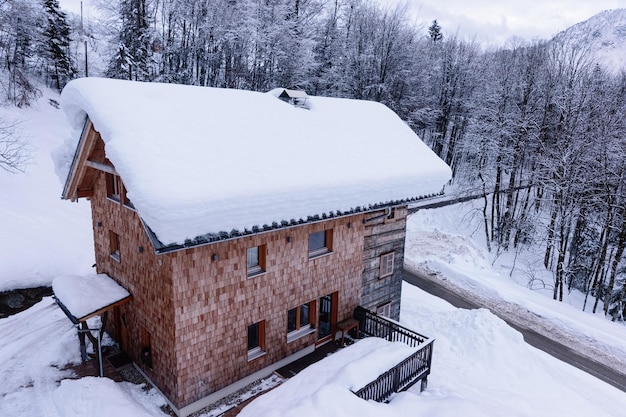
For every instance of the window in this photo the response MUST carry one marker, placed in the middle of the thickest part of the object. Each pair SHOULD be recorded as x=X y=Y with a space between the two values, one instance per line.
x=125 y=198
x=256 y=260
x=256 y=340
x=300 y=320
x=386 y=264
x=114 y=188
x=384 y=310
x=320 y=243
x=114 y=245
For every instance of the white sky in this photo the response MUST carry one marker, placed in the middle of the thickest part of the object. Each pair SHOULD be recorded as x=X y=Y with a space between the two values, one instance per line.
x=496 y=21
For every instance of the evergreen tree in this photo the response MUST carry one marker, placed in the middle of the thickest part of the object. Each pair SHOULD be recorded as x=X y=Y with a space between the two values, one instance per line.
x=132 y=58
x=56 y=42
x=434 y=31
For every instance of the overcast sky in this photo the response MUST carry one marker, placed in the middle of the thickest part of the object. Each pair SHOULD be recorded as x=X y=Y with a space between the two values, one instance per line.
x=495 y=21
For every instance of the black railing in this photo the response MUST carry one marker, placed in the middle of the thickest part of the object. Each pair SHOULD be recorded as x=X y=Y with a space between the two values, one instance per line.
x=405 y=374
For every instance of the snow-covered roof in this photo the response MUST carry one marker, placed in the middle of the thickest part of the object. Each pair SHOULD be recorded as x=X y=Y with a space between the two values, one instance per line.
x=199 y=160
x=292 y=93
x=86 y=296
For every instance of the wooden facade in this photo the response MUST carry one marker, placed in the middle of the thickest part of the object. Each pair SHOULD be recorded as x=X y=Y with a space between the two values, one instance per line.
x=187 y=324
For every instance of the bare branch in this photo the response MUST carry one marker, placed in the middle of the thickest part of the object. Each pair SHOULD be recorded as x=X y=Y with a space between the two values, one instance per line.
x=13 y=150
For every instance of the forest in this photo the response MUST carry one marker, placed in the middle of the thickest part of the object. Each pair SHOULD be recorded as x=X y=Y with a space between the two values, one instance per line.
x=538 y=128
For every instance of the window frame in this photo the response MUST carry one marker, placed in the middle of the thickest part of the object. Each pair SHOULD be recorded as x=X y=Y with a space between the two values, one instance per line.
x=386 y=264
x=126 y=201
x=116 y=190
x=327 y=246
x=260 y=267
x=114 y=187
x=301 y=329
x=114 y=246
x=384 y=310
x=258 y=349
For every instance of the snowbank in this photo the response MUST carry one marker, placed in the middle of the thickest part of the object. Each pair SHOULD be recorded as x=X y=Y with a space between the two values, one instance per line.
x=481 y=368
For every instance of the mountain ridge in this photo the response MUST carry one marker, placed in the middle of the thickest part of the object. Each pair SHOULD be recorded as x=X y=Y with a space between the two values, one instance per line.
x=605 y=36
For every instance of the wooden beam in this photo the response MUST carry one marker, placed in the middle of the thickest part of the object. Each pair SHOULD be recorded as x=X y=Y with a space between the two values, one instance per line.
x=106 y=308
x=84 y=193
x=101 y=167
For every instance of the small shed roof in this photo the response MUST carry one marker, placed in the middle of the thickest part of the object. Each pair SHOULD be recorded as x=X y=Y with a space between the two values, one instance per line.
x=83 y=297
x=292 y=93
x=200 y=160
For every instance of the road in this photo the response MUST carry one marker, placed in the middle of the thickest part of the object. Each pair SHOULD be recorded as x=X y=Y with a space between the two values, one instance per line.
x=531 y=337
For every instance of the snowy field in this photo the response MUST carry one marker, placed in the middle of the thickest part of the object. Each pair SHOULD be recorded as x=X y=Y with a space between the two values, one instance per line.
x=480 y=365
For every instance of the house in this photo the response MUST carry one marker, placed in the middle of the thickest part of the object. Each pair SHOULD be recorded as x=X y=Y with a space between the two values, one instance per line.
x=243 y=227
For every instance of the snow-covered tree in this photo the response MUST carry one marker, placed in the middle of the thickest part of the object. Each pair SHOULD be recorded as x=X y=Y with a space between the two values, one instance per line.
x=20 y=21
x=56 y=44
x=133 y=56
x=434 y=31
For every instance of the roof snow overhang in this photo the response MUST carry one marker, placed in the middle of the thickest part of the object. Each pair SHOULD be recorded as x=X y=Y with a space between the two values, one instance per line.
x=206 y=239
x=185 y=180
x=84 y=297
x=89 y=158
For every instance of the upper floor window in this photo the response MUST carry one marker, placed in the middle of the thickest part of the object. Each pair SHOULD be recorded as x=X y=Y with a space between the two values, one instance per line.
x=116 y=190
x=114 y=245
x=256 y=260
x=320 y=243
x=114 y=187
x=386 y=264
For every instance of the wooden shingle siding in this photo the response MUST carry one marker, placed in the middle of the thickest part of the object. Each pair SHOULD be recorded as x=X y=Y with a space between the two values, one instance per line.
x=381 y=236
x=215 y=301
x=146 y=276
x=186 y=325
x=197 y=309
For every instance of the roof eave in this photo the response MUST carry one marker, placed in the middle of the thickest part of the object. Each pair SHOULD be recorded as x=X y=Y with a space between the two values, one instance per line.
x=210 y=238
x=73 y=177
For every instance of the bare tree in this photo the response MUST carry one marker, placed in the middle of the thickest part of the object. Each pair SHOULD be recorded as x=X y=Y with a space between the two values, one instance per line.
x=13 y=150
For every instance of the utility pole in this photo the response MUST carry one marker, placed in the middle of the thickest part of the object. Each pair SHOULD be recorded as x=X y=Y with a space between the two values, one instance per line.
x=82 y=35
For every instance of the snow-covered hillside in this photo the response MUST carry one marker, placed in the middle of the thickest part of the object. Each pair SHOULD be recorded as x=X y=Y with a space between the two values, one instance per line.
x=41 y=235
x=605 y=36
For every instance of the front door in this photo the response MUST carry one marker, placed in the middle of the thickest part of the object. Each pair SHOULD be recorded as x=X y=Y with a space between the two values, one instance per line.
x=121 y=330
x=327 y=317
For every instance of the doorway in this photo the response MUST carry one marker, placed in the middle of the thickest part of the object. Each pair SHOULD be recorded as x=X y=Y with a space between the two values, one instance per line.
x=327 y=317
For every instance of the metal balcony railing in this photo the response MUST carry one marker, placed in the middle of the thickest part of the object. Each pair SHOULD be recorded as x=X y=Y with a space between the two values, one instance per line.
x=405 y=374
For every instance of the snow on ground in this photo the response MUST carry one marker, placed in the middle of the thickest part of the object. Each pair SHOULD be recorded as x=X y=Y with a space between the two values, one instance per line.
x=480 y=365
x=41 y=236
x=35 y=347
x=444 y=241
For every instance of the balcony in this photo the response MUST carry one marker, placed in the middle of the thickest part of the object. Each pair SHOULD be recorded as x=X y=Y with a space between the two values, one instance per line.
x=405 y=374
